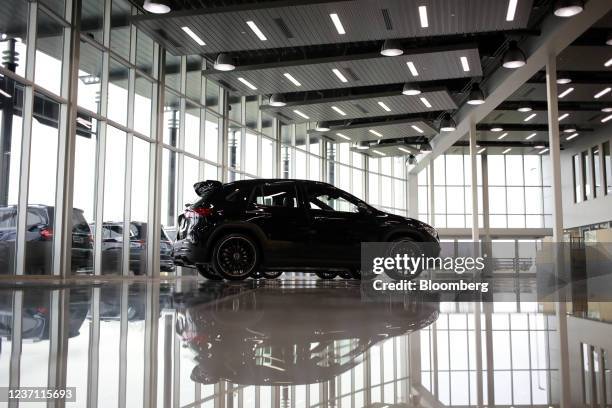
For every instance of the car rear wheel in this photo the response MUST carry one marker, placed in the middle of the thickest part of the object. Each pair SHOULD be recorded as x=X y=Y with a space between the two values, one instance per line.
x=345 y=275
x=235 y=257
x=327 y=275
x=207 y=272
x=408 y=246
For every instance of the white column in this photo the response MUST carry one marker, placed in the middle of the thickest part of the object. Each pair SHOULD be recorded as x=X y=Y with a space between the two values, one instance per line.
x=413 y=195
x=557 y=217
x=430 y=194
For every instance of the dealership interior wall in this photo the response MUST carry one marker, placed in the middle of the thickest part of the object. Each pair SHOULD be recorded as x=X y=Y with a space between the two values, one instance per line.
x=109 y=114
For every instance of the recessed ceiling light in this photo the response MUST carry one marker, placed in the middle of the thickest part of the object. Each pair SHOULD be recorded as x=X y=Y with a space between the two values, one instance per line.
x=464 y=64
x=511 y=10
x=528 y=118
x=340 y=111
x=412 y=68
x=565 y=115
x=339 y=75
x=337 y=23
x=345 y=137
x=277 y=100
x=378 y=152
x=391 y=48
x=572 y=136
x=497 y=129
x=403 y=149
x=372 y=131
x=525 y=108
x=482 y=150
x=539 y=146
x=299 y=113
x=157 y=6
x=418 y=129
x=193 y=36
x=514 y=57
x=425 y=102
x=568 y=8
x=531 y=136
x=607 y=118
x=543 y=151
x=384 y=106
x=564 y=80
x=507 y=150
x=608 y=63
x=602 y=93
x=502 y=136
x=423 y=16
x=247 y=83
x=566 y=92
x=607 y=109
x=411 y=89
x=256 y=30
x=569 y=129
x=609 y=40
x=5 y=94
x=292 y=79
x=224 y=62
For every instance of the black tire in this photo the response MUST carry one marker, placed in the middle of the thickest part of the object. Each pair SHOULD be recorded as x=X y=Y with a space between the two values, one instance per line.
x=272 y=274
x=345 y=275
x=404 y=245
x=207 y=272
x=235 y=256
x=327 y=275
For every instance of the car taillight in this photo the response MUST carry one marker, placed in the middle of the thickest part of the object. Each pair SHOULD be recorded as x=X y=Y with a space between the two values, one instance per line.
x=198 y=212
x=46 y=234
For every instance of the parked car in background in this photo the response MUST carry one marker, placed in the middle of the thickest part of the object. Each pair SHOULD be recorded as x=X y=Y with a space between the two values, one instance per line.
x=112 y=246
x=241 y=228
x=39 y=240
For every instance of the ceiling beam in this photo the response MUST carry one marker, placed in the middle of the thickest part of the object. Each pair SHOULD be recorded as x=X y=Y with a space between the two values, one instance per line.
x=557 y=34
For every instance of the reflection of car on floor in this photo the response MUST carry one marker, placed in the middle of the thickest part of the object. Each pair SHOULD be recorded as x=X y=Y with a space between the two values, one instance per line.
x=248 y=226
x=112 y=245
x=39 y=239
x=258 y=338
x=36 y=316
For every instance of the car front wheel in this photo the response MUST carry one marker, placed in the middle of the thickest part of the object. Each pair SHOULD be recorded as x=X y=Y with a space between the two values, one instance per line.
x=410 y=247
x=235 y=256
x=326 y=275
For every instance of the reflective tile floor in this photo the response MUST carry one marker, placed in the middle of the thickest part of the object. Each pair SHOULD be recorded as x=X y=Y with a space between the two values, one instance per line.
x=296 y=343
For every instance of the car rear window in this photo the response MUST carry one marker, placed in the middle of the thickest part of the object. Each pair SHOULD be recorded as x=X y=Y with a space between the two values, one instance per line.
x=8 y=218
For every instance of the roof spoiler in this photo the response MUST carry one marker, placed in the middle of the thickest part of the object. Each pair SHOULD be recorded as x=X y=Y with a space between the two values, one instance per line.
x=203 y=188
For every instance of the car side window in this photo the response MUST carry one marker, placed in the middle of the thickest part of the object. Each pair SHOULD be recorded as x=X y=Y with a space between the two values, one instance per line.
x=276 y=195
x=329 y=199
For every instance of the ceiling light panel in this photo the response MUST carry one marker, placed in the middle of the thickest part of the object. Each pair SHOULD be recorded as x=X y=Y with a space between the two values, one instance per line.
x=418 y=129
x=423 y=16
x=511 y=12
x=256 y=30
x=530 y=136
x=464 y=64
x=384 y=106
x=247 y=83
x=340 y=75
x=425 y=102
x=375 y=133
x=339 y=111
x=412 y=68
x=292 y=79
x=337 y=23
x=193 y=36
x=566 y=92
x=602 y=93
x=317 y=74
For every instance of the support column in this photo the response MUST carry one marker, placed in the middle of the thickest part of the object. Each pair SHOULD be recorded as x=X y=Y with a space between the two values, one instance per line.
x=557 y=226
x=430 y=194
x=413 y=195
x=475 y=239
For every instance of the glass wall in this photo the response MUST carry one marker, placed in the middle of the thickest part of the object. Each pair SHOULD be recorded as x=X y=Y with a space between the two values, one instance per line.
x=517 y=199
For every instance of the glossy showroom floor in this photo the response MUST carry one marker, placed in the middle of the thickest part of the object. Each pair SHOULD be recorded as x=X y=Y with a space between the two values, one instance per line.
x=296 y=342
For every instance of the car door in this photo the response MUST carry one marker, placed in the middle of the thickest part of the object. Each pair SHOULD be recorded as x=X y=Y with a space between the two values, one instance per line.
x=339 y=222
x=277 y=209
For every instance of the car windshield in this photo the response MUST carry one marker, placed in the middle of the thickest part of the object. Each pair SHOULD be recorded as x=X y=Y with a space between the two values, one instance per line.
x=331 y=199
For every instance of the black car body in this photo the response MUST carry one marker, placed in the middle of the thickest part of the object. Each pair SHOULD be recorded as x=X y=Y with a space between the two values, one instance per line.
x=112 y=246
x=39 y=240
x=292 y=225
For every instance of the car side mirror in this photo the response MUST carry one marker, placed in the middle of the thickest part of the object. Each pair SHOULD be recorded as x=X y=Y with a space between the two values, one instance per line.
x=363 y=209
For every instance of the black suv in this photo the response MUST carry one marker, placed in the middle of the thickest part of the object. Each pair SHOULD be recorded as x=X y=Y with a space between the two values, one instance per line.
x=264 y=226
